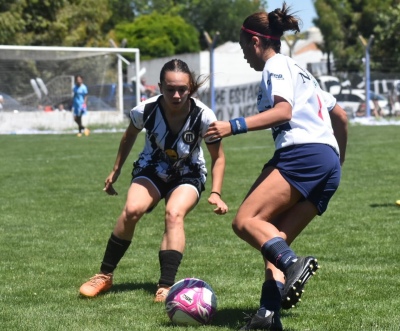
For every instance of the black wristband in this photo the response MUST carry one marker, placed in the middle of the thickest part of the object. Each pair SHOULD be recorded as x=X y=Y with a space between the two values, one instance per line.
x=219 y=194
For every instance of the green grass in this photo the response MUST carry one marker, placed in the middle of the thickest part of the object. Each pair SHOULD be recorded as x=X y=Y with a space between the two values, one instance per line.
x=55 y=221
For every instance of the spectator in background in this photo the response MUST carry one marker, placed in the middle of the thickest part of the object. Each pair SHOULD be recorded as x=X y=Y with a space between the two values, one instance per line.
x=146 y=91
x=1 y=102
x=79 y=102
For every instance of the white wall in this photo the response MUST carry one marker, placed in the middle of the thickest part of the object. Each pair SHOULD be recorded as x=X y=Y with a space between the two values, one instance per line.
x=26 y=122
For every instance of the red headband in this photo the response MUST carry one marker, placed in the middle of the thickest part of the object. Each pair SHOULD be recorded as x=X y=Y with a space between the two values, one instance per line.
x=260 y=34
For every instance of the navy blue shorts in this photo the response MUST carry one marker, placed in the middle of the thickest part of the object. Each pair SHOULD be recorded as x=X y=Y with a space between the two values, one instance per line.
x=313 y=169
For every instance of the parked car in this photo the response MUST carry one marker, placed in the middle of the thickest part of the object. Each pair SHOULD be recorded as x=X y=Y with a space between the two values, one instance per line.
x=353 y=101
x=93 y=104
x=330 y=84
x=108 y=94
x=9 y=103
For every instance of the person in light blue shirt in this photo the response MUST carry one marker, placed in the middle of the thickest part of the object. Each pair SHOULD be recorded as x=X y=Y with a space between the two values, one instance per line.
x=79 y=102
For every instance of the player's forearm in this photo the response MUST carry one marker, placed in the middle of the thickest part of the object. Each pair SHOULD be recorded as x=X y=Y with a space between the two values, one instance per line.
x=339 y=126
x=341 y=138
x=278 y=115
x=124 y=149
x=217 y=173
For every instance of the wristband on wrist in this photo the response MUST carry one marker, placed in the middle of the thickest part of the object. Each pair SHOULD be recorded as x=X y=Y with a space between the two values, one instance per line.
x=238 y=125
x=219 y=194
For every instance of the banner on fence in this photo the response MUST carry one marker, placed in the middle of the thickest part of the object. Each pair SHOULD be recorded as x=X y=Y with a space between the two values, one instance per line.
x=233 y=101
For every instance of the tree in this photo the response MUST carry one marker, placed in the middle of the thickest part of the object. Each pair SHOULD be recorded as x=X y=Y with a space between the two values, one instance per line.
x=386 y=50
x=225 y=16
x=342 y=22
x=122 y=11
x=159 y=35
x=327 y=22
x=11 y=21
x=81 y=23
x=57 y=22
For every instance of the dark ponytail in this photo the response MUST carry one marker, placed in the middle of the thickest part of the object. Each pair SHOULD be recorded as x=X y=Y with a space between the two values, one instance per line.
x=273 y=25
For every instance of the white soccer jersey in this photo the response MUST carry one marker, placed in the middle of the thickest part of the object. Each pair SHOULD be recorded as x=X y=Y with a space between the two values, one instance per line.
x=310 y=122
x=329 y=100
x=172 y=155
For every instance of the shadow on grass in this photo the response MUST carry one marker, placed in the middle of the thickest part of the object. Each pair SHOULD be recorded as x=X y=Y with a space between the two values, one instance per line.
x=124 y=287
x=148 y=287
x=377 y=205
x=233 y=318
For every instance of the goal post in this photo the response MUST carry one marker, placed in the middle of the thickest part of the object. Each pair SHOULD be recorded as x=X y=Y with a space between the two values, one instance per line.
x=41 y=78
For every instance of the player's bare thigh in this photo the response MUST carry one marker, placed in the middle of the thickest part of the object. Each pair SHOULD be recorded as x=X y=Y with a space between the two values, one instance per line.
x=181 y=201
x=269 y=196
x=142 y=196
x=294 y=220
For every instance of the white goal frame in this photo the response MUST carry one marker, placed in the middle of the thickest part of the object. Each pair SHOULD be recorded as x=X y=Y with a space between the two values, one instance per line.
x=105 y=50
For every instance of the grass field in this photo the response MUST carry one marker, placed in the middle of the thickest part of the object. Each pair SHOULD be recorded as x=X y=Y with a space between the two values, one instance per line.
x=55 y=221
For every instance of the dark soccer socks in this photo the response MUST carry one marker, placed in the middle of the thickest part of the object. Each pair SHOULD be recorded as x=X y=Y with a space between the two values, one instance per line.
x=169 y=264
x=278 y=252
x=115 y=250
x=271 y=296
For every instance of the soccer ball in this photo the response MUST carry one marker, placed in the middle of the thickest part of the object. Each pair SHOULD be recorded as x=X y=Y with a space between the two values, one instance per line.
x=191 y=301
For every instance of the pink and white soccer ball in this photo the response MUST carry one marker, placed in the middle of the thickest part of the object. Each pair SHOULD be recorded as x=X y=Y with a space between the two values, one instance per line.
x=191 y=301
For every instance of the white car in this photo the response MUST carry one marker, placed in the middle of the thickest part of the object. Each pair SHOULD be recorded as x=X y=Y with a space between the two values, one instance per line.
x=353 y=101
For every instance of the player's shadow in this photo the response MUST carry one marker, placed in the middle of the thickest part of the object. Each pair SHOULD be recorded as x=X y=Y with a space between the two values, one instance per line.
x=231 y=318
x=234 y=318
x=388 y=204
x=148 y=287
x=118 y=288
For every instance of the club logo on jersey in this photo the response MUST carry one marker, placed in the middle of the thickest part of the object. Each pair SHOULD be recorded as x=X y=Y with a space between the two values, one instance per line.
x=189 y=137
x=171 y=154
x=277 y=76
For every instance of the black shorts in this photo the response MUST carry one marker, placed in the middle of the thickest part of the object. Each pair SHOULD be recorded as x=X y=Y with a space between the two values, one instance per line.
x=165 y=188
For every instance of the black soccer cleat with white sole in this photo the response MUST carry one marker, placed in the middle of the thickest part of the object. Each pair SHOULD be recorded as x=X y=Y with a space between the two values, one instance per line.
x=270 y=322
x=297 y=276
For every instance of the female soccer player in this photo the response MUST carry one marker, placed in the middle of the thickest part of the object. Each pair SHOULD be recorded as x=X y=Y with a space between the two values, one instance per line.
x=79 y=104
x=304 y=173
x=171 y=167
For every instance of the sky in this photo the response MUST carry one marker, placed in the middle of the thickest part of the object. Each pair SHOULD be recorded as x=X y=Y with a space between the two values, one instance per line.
x=304 y=9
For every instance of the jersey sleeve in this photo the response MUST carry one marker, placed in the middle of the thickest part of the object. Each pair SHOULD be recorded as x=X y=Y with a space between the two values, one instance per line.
x=136 y=116
x=279 y=77
x=329 y=99
x=208 y=117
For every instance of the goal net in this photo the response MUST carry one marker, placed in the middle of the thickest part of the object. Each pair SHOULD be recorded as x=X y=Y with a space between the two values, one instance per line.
x=42 y=78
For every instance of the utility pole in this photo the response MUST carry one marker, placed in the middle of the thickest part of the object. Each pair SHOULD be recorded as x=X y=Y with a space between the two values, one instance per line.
x=211 y=45
x=291 y=43
x=367 y=45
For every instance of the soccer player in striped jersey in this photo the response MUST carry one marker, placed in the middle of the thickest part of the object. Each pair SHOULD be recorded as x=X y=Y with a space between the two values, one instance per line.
x=170 y=167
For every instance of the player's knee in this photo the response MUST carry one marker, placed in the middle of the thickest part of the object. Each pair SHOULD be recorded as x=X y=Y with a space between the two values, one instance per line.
x=173 y=217
x=133 y=213
x=238 y=226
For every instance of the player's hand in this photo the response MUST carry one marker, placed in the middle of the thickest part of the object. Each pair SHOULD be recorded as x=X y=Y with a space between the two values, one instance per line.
x=221 y=208
x=219 y=129
x=84 y=107
x=110 y=180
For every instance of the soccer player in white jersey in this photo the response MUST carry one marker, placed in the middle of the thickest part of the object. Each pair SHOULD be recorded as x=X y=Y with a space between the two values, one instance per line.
x=304 y=173
x=171 y=167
